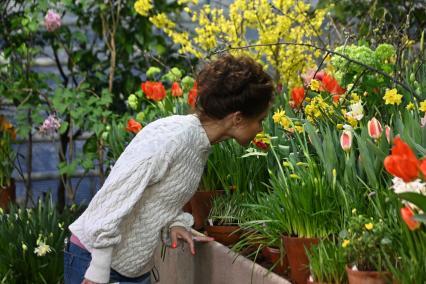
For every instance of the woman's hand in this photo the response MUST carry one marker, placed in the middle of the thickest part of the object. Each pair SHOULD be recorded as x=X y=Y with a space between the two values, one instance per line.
x=178 y=232
x=87 y=281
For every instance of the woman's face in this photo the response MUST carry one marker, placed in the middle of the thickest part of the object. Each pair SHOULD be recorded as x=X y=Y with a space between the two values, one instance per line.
x=247 y=128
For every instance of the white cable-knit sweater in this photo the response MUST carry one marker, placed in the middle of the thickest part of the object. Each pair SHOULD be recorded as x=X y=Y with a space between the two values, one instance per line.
x=142 y=197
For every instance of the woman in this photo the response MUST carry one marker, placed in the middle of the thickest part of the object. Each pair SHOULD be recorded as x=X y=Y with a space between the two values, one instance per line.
x=140 y=202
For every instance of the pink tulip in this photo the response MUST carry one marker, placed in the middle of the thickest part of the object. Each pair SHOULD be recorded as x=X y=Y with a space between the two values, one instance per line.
x=407 y=215
x=374 y=128
x=346 y=140
x=387 y=132
x=52 y=21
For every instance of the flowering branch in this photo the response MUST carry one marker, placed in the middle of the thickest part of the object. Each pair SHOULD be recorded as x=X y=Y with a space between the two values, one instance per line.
x=393 y=79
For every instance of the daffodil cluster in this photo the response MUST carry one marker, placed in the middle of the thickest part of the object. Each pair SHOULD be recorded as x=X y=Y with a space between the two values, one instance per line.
x=318 y=108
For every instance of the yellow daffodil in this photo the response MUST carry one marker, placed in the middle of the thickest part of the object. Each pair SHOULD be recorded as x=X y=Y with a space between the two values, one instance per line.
x=392 y=97
x=315 y=85
x=410 y=106
x=354 y=211
x=423 y=106
x=42 y=249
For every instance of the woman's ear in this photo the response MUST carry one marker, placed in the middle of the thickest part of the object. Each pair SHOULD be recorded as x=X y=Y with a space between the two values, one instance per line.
x=237 y=118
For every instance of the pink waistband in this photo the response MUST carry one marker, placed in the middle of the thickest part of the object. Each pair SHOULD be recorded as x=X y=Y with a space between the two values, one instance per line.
x=76 y=241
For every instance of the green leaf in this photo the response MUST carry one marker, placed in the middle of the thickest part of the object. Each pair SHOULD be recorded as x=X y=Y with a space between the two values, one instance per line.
x=415 y=198
x=64 y=127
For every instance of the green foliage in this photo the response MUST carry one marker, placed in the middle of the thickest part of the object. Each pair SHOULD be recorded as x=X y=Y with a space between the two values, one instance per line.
x=22 y=231
x=366 y=243
x=327 y=262
x=227 y=210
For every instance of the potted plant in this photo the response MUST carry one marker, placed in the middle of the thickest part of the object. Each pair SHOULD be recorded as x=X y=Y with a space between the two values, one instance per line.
x=225 y=216
x=7 y=160
x=366 y=245
x=310 y=207
x=326 y=263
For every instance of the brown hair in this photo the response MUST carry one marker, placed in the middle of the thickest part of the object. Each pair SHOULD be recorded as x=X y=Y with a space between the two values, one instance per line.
x=229 y=84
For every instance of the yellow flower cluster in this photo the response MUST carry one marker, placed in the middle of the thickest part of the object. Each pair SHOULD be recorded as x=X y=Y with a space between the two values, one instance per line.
x=143 y=7
x=423 y=106
x=317 y=108
x=279 y=117
x=392 y=97
x=284 y=20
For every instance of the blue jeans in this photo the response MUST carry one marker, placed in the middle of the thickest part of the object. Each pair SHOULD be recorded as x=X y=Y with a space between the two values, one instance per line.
x=77 y=260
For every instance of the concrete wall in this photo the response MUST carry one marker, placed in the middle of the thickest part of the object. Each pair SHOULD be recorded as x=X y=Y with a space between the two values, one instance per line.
x=213 y=263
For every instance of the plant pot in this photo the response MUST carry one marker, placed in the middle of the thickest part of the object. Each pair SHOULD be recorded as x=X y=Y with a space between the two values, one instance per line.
x=272 y=256
x=201 y=204
x=297 y=258
x=187 y=207
x=226 y=235
x=368 y=277
x=7 y=195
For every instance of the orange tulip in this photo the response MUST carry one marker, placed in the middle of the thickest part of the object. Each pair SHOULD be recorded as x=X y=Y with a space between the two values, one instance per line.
x=133 y=126
x=407 y=215
x=402 y=162
x=423 y=168
x=192 y=95
x=154 y=90
x=297 y=95
x=176 y=90
x=331 y=85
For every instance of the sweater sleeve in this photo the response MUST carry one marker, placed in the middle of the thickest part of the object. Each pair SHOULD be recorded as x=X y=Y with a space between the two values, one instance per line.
x=117 y=197
x=183 y=220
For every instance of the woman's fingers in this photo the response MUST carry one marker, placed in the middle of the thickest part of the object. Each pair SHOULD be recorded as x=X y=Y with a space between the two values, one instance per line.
x=202 y=239
x=187 y=236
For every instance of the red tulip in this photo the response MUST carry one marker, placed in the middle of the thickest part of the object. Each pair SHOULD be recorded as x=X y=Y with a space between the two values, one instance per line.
x=192 y=95
x=374 y=128
x=346 y=140
x=133 y=126
x=331 y=85
x=308 y=76
x=154 y=90
x=402 y=162
x=176 y=90
x=297 y=95
x=407 y=215
x=423 y=168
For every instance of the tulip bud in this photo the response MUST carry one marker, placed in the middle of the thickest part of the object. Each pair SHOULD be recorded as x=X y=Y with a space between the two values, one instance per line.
x=387 y=132
x=346 y=140
x=374 y=128
x=407 y=215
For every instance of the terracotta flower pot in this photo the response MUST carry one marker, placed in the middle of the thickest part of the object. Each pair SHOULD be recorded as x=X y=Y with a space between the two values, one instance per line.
x=297 y=258
x=201 y=204
x=7 y=195
x=272 y=256
x=368 y=277
x=226 y=235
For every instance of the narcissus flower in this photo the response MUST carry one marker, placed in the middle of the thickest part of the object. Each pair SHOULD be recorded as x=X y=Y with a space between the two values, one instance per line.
x=133 y=126
x=407 y=215
x=402 y=162
x=392 y=97
x=423 y=106
x=369 y=226
x=154 y=90
x=176 y=90
x=346 y=140
x=374 y=128
x=346 y=243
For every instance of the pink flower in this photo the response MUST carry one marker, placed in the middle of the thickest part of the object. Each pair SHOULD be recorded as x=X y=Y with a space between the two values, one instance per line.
x=346 y=140
x=308 y=76
x=51 y=124
x=374 y=128
x=52 y=21
x=387 y=132
x=423 y=121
